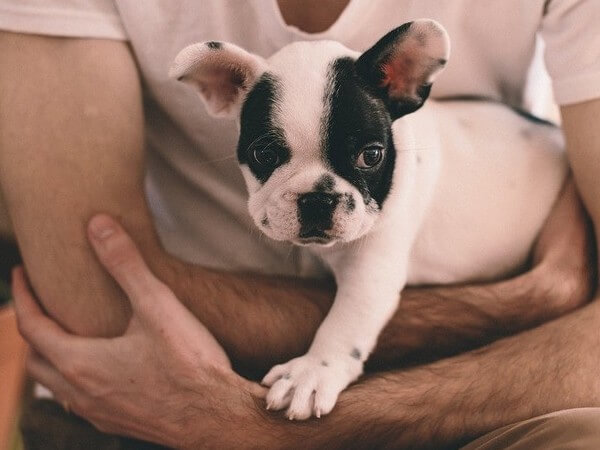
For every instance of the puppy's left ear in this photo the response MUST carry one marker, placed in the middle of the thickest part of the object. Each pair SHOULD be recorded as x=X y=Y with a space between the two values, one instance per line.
x=401 y=66
x=221 y=72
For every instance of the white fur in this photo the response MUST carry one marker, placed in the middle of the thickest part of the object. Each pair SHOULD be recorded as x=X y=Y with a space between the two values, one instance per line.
x=472 y=186
x=469 y=211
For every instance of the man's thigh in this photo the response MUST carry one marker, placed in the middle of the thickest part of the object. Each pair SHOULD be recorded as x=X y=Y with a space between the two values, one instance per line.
x=570 y=428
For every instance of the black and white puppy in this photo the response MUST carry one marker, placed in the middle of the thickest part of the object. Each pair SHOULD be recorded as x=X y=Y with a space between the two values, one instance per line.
x=334 y=159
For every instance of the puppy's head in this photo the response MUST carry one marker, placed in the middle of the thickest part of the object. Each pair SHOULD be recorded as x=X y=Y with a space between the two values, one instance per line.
x=315 y=145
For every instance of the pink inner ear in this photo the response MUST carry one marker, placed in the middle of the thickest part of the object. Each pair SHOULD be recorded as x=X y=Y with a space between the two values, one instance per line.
x=410 y=65
x=402 y=74
x=221 y=84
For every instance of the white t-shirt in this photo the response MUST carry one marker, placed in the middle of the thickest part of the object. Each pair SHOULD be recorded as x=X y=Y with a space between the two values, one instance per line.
x=194 y=185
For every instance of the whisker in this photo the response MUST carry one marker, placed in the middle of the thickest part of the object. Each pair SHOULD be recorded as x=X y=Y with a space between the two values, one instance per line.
x=271 y=133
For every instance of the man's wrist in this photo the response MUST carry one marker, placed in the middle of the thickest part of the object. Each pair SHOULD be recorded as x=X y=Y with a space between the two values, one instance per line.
x=560 y=289
x=254 y=425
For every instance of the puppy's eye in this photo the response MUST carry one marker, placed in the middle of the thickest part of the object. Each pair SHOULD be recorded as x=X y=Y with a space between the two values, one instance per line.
x=267 y=157
x=369 y=157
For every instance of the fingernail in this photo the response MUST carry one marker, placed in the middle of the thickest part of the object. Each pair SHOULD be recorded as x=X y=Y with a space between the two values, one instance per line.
x=101 y=227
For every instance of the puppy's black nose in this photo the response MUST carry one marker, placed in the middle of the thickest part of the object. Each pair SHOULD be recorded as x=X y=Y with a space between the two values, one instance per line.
x=315 y=213
x=315 y=200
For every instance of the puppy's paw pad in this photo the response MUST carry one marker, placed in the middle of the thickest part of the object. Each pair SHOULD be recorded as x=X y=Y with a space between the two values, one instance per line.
x=309 y=386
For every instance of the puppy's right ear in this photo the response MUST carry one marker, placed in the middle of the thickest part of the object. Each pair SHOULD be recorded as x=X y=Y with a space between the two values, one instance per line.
x=222 y=73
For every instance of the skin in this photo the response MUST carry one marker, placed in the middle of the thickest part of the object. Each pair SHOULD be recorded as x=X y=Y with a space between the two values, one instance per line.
x=447 y=402
x=100 y=152
x=65 y=122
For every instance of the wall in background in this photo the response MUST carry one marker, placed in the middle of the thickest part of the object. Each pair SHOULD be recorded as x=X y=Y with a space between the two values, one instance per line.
x=539 y=99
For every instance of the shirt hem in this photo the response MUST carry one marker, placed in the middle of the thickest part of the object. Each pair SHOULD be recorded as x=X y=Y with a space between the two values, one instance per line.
x=577 y=89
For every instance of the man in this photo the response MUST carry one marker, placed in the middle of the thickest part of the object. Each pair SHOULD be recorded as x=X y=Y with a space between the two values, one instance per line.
x=72 y=120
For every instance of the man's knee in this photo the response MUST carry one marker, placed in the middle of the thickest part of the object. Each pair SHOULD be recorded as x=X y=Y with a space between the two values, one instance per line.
x=572 y=428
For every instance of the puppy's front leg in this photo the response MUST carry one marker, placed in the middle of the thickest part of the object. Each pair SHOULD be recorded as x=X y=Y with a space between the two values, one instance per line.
x=368 y=294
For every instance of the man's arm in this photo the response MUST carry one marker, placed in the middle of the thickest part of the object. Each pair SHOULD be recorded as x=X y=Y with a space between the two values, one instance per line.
x=70 y=146
x=444 y=404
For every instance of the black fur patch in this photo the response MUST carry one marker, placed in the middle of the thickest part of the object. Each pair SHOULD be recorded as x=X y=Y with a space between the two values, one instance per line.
x=325 y=184
x=349 y=203
x=258 y=129
x=357 y=118
x=214 y=45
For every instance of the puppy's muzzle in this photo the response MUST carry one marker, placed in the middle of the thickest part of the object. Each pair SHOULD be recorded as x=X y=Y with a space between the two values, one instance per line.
x=315 y=214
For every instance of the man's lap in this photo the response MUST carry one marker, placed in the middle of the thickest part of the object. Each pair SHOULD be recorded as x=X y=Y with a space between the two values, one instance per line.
x=571 y=428
x=47 y=426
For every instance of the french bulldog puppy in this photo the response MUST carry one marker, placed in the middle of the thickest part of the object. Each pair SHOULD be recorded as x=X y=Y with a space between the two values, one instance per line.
x=339 y=155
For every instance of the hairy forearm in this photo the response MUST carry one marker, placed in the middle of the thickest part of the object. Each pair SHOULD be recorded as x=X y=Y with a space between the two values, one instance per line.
x=452 y=401
x=71 y=146
x=261 y=321
x=432 y=323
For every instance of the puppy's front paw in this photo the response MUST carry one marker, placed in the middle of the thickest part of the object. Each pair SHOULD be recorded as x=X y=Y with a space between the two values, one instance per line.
x=309 y=385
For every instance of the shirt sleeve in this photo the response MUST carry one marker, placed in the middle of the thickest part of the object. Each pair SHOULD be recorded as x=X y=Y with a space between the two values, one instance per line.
x=570 y=29
x=66 y=18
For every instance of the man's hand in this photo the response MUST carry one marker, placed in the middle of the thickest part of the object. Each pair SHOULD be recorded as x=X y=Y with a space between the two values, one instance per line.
x=144 y=383
x=168 y=381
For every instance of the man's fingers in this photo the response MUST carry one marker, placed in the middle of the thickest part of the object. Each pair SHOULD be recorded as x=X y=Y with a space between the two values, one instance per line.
x=119 y=255
x=150 y=298
x=48 y=376
x=42 y=333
